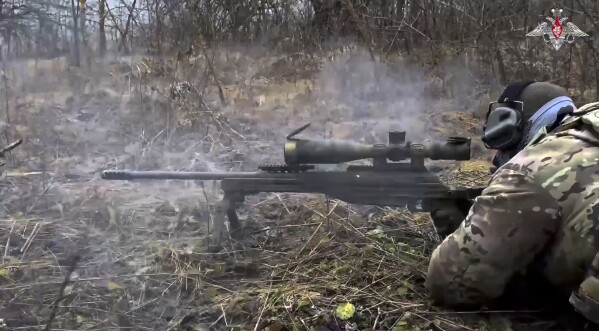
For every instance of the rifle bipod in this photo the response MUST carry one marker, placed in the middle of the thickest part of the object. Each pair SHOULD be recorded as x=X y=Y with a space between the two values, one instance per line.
x=226 y=206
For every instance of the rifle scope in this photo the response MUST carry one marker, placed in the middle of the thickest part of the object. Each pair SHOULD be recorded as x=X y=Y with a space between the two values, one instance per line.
x=321 y=151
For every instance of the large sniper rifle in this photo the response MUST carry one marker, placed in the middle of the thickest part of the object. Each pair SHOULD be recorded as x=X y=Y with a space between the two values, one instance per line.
x=384 y=183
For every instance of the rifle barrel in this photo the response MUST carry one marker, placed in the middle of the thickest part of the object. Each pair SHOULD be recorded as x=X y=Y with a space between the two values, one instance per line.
x=193 y=175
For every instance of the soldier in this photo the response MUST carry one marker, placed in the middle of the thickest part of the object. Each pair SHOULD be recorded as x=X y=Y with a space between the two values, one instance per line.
x=540 y=213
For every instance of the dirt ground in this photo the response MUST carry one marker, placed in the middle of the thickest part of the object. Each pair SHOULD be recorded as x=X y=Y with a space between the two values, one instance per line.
x=137 y=254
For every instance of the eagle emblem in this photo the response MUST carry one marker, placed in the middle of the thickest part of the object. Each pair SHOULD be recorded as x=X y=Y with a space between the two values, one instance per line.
x=558 y=32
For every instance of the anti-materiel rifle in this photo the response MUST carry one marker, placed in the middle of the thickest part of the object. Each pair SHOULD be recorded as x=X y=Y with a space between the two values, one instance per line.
x=395 y=184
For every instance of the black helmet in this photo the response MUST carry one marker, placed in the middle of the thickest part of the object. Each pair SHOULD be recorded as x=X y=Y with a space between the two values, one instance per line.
x=535 y=95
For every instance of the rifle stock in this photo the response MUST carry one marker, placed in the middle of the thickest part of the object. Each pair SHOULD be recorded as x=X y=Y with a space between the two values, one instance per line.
x=395 y=184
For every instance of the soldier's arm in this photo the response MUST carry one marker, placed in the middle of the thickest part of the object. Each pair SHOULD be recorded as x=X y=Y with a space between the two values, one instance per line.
x=507 y=226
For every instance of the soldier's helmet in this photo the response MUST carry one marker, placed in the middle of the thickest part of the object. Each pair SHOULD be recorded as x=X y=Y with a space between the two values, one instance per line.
x=537 y=110
x=537 y=94
x=536 y=98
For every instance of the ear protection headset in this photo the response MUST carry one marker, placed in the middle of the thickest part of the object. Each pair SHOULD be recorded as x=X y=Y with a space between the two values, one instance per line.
x=504 y=124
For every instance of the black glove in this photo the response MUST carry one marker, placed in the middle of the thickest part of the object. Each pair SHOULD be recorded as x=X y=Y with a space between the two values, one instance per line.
x=449 y=218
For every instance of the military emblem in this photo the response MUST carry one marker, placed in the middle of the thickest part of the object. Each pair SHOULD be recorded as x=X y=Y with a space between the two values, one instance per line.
x=558 y=32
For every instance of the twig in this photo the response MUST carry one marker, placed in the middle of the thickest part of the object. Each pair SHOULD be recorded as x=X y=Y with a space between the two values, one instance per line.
x=221 y=94
x=585 y=10
x=36 y=229
x=263 y=306
x=285 y=227
x=283 y=203
x=217 y=320
x=474 y=312
x=8 y=241
x=224 y=314
x=360 y=29
x=319 y=225
x=6 y=96
x=64 y=284
x=376 y=320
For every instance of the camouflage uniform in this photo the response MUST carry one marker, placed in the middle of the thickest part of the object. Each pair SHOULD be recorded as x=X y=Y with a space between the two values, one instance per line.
x=543 y=205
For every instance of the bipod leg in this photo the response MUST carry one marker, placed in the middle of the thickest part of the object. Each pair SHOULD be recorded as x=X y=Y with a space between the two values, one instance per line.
x=234 y=198
x=219 y=221
x=234 y=224
x=226 y=207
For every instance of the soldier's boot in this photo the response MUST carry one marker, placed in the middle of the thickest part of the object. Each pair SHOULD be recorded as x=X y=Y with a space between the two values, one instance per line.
x=586 y=299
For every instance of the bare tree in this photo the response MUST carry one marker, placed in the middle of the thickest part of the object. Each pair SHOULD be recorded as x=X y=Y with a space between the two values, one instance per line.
x=102 y=27
x=76 y=46
x=491 y=34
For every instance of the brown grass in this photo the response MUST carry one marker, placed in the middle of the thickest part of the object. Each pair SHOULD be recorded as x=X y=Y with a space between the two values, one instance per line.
x=145 y=262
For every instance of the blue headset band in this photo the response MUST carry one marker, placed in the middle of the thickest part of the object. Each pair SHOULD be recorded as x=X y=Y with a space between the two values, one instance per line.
x=550 y=113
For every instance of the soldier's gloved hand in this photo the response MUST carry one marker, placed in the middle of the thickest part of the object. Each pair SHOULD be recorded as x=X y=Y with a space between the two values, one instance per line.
x=449 y=218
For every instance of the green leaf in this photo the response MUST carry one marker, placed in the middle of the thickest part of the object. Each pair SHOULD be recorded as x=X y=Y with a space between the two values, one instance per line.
x=346 y=311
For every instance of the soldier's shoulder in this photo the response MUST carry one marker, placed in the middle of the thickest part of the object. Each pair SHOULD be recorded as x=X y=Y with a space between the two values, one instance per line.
x=540 y=155
x=559 y=160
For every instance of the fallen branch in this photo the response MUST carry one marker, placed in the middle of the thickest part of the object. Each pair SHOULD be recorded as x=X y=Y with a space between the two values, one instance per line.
x=67 y=280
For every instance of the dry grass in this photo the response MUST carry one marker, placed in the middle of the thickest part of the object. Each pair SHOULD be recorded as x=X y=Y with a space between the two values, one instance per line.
x=144 y=259
x=305 y=259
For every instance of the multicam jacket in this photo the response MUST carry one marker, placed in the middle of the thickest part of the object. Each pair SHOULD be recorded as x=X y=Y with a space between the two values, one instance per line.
x=543 y=205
